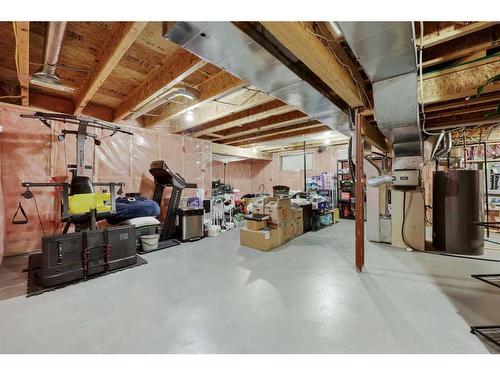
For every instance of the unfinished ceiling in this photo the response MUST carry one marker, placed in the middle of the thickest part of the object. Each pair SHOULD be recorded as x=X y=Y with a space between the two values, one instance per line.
x=129 y=72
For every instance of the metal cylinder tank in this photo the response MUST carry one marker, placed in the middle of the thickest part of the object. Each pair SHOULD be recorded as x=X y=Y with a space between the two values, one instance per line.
x=458 y=203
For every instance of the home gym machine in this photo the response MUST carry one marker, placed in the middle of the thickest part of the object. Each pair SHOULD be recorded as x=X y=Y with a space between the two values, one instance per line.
x=164 y=177
x=87 y=251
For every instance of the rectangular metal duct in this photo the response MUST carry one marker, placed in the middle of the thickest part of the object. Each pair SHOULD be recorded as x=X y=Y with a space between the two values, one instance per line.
x=226 y=46
x=386 y=51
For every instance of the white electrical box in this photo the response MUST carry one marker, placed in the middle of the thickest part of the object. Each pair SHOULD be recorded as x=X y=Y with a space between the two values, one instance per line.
x=406 y=178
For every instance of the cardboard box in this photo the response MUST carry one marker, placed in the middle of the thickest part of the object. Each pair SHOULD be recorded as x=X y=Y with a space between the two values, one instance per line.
x=299 y=228
x=283 y=224
x=256 y=225
x=283 y=235
x=298 y=213
x=264 y=240
x=260 y=203
x=279 y=210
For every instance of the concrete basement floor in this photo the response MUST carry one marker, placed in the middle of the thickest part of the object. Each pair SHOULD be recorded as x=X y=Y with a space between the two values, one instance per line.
x=214 y=296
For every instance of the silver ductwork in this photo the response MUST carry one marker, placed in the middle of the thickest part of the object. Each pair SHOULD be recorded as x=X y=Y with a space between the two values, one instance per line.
x=386 y=51
x=169 y=95
x=226 y=46
x=47 y=76
x=443 y=146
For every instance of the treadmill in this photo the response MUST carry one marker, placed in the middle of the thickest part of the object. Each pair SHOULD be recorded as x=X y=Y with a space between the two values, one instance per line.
x=164 y=177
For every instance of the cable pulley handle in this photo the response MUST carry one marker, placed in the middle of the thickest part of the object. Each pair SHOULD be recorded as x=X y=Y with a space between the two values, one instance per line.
x=22 y=221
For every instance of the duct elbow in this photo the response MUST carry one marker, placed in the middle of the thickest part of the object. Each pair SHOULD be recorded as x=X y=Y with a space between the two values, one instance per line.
x=379 y=180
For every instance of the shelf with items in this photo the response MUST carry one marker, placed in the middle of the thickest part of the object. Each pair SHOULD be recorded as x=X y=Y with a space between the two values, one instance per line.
x=345 y=190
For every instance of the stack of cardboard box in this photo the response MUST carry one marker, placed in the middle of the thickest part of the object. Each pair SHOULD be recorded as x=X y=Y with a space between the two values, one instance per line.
x=283 y=224
x=280 y=215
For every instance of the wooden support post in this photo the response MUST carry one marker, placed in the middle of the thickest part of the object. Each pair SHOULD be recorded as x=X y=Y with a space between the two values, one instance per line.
x=22 y=35
x=359 y=197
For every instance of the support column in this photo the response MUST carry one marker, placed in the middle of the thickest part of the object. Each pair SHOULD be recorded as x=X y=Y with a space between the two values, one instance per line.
x=359 y=197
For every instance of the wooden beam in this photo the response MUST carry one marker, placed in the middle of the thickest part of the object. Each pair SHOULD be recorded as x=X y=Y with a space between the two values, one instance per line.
x=289 y=118
x=239 y=118
x=445 y=35
x=462 y=47
x=460 y=81
x=309 y=49
x=173 y=70
x=464 y=103
x=359 y=192
x=275 y=137
x=214 y=87
x=283 y=130
x=110 y=55
x=374 y=137
x=221 y=149
x=462 y=111
x=22 y=35
x=63 y=105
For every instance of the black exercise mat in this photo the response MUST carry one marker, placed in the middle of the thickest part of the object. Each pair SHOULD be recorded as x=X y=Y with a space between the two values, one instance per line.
x=35 y=288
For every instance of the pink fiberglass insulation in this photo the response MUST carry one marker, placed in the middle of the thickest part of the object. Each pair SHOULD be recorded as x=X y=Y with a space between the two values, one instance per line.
x=31 y=153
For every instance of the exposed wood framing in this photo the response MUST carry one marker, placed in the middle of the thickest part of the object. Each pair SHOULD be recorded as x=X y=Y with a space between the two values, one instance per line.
x=447 y=35
x=464 y=103
x=308 y=48
x=172 y=71
x=359 y=191
x=284 y=130
x=275 y=121
x=300 y=146
x=256 y=113
x=374 y=137
x=22 y=35
x=462 y=47
x=214 y=110
x=266 y=125
x=63 y=105
x=460 y=81
x=216 y=86
x=218 y=148
x=291 y=134
x=110 y=55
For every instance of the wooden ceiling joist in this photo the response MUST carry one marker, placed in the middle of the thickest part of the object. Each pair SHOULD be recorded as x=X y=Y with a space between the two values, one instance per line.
x=172 y=71
x=237 y=119
x=461 y=47
x=283 y=130
x=110 y=55
x=274 y=127
x=270 y=122
x=452 y=33
x=309 y=48
x=275 y=137
x=227 y=150
x=217 y=109
x=216 y=86
x=460 y=81
x=22 y=48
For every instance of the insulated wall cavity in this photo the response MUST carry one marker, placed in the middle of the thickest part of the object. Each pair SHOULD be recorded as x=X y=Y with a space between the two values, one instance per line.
x=30 y=152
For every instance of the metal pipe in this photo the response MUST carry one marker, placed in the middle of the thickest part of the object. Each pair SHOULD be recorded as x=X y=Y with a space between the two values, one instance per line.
x=174 y=92
x=485 y=170
x=52 y=49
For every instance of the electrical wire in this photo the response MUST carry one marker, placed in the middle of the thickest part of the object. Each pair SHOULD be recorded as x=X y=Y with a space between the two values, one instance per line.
x=347 y=67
